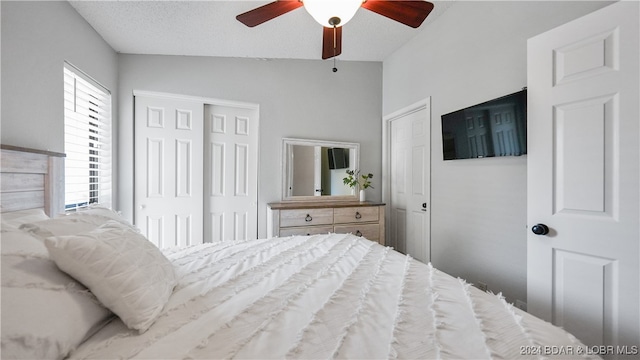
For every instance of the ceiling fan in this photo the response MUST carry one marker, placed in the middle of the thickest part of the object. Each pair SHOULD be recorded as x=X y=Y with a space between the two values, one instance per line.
x=333 y=14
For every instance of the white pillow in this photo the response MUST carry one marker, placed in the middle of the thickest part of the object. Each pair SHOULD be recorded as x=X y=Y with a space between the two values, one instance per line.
x=125 y=271
x=100 y=210
x=45 y=313
x=73 y=223
x=13 y=220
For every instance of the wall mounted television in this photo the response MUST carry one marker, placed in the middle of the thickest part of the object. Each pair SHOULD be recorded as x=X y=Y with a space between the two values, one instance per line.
x=494 y=128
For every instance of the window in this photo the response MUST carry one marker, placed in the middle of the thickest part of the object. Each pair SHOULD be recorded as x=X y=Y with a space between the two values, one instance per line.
x=87 y=140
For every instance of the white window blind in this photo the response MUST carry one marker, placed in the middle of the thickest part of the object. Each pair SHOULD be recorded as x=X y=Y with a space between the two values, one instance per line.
x=87 y=137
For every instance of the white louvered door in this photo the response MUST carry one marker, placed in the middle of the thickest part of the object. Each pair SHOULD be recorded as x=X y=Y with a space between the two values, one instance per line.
x=583 y=182
x=231 y=173
x=168 y=170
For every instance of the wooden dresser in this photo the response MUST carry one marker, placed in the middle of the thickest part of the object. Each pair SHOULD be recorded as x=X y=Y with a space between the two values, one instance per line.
x=321 y=217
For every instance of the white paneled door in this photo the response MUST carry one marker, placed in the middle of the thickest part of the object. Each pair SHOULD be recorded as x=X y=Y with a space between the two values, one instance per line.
x=231 y=173
x=583 y=178
x=409 y=177
x=168 y=170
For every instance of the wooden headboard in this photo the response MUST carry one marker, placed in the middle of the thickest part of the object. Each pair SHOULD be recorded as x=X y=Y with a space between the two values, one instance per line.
x=31 y=179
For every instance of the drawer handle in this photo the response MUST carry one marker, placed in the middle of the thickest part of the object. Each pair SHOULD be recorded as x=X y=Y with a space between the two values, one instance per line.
x=358 y=215
x=308 y=218
x=358 y=233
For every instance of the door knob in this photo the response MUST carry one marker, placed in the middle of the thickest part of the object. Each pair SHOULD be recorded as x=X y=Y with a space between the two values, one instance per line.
x=424 y=206
x=540 y=229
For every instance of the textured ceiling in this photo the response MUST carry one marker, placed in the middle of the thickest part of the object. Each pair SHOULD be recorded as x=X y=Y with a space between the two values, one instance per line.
x=209 y=28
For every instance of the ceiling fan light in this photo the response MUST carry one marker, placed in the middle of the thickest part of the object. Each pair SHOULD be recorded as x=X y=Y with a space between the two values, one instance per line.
x=324 y=10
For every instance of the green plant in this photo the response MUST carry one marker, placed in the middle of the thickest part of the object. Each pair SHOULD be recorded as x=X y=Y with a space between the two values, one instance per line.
x=354 y=179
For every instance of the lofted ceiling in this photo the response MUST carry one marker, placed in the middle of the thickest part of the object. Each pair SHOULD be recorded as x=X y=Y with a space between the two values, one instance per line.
x=209 y=28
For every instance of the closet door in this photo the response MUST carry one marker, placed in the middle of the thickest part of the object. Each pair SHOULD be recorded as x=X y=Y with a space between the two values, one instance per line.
x=168 y=170
x=231 y=173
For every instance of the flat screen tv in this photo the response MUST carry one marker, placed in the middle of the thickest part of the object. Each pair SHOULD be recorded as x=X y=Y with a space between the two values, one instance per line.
x=497 y=127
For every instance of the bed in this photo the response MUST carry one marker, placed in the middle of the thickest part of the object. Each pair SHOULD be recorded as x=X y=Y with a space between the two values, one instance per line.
x=88 y=285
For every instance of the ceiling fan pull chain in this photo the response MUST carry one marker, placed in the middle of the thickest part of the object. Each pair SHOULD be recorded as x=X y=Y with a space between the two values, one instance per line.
x=335 y=45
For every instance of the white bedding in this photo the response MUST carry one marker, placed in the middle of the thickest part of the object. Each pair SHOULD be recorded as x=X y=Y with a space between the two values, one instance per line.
x=323 y=296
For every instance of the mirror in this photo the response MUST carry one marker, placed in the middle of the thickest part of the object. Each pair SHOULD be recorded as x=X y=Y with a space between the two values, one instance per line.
x=314 y=169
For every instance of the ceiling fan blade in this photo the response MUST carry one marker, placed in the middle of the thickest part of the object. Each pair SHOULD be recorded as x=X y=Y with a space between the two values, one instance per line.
x=267 y=12
x=331 y=42
x=411 y=13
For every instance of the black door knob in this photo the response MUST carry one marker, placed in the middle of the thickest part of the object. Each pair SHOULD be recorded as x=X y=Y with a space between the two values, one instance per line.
x=540 y=229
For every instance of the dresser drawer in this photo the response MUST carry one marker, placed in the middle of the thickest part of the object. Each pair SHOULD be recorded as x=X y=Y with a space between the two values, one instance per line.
x=369 y=231
x=305 y=217
x=306 y=230
x=355 y=214
x=322 y=217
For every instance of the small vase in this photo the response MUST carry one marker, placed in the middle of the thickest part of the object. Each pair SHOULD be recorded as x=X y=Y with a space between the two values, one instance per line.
x=362 y=197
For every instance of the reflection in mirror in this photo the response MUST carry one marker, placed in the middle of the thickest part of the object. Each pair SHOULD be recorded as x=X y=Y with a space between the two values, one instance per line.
x=311 y=177
x=315 y=169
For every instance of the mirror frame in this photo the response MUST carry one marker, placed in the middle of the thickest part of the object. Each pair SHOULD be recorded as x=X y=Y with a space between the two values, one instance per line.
x=288 y=142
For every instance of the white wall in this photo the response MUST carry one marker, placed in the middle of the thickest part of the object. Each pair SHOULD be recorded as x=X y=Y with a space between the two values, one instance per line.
x=474 y=52
x=37 y=37
x=297 y=98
